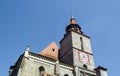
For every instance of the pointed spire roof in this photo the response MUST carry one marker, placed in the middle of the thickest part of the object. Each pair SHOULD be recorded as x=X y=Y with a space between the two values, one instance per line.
x=73 y=26
x=72 y=20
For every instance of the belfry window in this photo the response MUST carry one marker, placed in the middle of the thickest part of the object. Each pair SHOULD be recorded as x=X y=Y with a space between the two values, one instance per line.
x=41 y=71
x=81 y=40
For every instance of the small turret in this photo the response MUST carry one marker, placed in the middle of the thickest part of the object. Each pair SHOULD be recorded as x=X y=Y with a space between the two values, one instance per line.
x=101 y=71
x=27 y=51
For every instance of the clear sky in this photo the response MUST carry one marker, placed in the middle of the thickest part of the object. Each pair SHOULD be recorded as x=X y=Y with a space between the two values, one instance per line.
x=39 y=22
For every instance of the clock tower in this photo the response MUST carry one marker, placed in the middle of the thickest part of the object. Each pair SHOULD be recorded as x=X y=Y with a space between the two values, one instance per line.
x=74 y=57
x=75 y=48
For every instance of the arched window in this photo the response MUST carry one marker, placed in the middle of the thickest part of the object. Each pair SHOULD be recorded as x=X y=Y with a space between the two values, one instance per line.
x=66 y=75
x=85 y=66
x=41 y=70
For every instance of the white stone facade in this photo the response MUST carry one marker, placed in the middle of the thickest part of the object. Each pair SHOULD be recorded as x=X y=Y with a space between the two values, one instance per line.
x=74 y=58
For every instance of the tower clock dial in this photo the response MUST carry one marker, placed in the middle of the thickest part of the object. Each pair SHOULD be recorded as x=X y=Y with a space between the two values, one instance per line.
x=83 y=57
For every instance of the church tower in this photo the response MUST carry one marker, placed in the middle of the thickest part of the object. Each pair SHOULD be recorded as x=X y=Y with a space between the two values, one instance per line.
x=75 y=48
x=73 y=58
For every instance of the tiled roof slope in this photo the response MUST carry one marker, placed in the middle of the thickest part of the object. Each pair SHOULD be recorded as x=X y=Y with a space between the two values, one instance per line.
x=50 y=51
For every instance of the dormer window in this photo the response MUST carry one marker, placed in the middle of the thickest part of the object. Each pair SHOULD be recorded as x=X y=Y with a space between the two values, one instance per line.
x=53 y=49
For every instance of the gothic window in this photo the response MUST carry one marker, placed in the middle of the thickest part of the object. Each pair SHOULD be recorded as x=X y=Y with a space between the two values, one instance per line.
x=81 y=73
x=41 y=70
x=66 y=75
x=81 y=40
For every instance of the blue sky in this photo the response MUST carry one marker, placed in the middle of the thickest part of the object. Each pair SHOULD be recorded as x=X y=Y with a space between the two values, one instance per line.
x=37 y=22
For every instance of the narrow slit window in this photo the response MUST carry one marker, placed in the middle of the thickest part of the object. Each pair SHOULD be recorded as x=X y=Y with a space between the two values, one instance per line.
x=81 y=40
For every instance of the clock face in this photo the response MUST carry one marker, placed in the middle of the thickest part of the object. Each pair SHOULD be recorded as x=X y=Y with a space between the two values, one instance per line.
x=83 y=57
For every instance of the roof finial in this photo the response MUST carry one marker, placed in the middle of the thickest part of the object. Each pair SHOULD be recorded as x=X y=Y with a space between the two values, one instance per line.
x=28 y=48
x=72 y=20
x=72 y=16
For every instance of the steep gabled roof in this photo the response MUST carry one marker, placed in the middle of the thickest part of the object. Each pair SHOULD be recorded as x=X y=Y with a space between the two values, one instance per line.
x=50 y=51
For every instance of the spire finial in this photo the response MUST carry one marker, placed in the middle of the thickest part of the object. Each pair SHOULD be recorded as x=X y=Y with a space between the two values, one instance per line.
x=72 y=20
x=28 y=48
x=72 y=16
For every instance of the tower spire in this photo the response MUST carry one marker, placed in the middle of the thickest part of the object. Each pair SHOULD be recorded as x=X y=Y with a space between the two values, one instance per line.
x=73 y=26
x=72 y=16
x=72 y=20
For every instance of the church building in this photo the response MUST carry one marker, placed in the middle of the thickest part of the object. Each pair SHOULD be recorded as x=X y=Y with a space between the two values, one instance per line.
x=74 y=57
